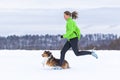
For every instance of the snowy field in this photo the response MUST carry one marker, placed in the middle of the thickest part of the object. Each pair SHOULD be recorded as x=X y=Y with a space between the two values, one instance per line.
x=26 y=65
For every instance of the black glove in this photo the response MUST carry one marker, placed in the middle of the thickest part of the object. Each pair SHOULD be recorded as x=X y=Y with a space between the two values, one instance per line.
x=61 y=36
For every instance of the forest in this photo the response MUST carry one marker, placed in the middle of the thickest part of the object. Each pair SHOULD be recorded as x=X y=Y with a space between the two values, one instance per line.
x=54 y=42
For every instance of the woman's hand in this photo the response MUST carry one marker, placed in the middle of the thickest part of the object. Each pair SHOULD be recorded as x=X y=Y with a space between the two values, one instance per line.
x=61 y=36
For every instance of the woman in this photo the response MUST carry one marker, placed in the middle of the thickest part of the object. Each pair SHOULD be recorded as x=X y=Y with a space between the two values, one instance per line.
x=72 y=35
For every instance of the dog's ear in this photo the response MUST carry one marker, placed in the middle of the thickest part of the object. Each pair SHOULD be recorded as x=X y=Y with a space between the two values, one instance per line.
x=49 y=53
x=45 y=51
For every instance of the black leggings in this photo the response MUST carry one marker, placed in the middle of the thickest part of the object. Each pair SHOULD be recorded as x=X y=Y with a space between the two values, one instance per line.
x=74 y=44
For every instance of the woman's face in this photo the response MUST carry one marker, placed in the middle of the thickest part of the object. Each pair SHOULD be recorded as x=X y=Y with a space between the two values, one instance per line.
x=66 y=16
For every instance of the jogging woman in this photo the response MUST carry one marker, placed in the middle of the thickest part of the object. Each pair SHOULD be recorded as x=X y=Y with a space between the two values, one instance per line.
x=72 y=35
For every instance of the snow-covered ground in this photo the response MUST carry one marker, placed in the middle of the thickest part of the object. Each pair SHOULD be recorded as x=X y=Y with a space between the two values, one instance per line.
x=26 y=65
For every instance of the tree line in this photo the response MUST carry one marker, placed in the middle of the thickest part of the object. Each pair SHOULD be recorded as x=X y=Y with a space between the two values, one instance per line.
x=54 y=42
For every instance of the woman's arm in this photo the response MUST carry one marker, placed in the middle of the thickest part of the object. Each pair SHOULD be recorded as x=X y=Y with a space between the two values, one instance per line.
x=70 y=29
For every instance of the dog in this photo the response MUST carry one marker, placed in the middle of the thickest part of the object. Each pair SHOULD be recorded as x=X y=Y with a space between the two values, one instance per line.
x=51 y=61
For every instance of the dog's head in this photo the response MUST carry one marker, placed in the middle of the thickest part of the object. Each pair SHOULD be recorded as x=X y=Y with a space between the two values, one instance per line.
x=46 y=54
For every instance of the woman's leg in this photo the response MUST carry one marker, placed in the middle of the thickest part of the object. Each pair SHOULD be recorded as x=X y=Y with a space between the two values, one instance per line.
x=63 y=51
x=74 y=45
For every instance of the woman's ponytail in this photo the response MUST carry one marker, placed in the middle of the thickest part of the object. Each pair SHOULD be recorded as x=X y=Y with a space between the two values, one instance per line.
x=74 y=15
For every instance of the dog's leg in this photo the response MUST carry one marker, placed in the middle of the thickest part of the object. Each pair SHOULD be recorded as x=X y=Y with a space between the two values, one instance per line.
x=44 y=63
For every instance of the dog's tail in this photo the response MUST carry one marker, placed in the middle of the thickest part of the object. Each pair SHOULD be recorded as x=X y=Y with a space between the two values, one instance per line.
x=67 y=65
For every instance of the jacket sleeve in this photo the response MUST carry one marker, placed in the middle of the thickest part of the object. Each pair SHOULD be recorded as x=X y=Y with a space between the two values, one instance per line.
x=70 y=27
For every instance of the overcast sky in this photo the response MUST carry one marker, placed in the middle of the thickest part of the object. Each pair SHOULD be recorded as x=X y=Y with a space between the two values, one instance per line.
x=23 y=4
x=21 y=29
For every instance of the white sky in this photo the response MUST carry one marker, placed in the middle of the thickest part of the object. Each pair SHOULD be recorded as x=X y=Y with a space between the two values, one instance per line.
x=49 y=4
x=23 y=4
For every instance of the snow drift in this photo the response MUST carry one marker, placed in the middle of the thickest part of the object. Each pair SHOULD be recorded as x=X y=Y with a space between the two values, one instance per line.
x=26 y=65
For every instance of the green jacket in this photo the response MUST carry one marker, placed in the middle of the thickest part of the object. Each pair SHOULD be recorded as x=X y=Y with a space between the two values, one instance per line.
x=72 y=30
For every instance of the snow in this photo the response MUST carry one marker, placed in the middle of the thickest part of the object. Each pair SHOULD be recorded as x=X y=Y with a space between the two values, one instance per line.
x=26 y=65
